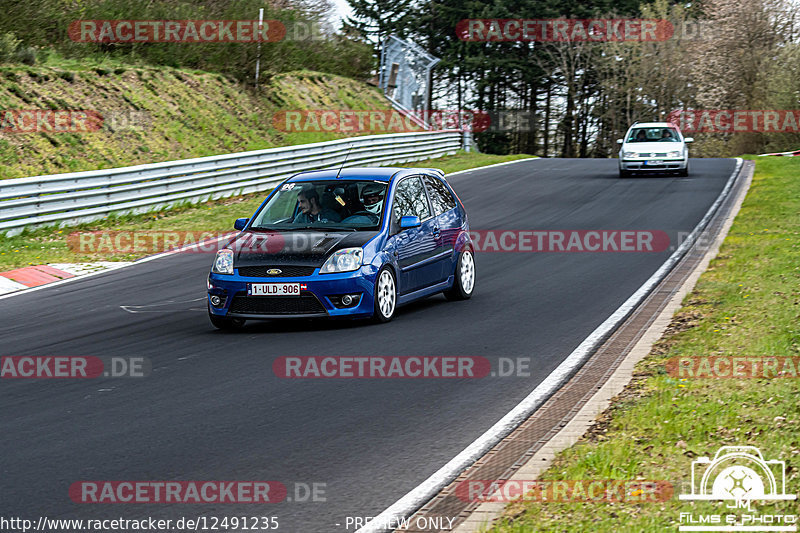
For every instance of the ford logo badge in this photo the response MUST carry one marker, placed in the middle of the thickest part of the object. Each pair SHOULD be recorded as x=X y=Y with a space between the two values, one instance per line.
x=274 y=271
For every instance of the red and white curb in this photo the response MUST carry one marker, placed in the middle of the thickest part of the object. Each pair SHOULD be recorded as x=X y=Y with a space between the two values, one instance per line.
x=34 y=276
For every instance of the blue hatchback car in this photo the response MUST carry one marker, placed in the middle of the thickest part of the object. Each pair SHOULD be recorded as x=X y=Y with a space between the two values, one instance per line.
x=356 y=243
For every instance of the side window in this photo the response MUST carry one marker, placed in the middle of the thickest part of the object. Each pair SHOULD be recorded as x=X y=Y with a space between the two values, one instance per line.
x=410 y=199
x=441 y=198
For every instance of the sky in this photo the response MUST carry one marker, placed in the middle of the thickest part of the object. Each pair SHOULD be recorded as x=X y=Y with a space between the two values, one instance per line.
x=342 y=10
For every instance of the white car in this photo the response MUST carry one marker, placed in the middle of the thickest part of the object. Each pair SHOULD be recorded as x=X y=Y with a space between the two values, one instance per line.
x=653 y=147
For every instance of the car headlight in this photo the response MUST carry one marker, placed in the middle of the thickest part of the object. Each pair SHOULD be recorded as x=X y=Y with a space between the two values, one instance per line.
x=344 y=260
x=223 y=262
x=629 y=154
x=676 y=153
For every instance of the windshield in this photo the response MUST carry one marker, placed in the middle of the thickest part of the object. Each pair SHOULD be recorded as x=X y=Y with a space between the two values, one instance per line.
x=649 y=135
x=324 y=204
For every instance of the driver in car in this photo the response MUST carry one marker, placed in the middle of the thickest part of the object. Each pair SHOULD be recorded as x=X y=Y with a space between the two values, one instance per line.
x=372 y=196
x=310 y=209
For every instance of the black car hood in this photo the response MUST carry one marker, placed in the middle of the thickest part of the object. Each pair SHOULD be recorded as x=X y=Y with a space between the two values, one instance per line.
x=301 y=248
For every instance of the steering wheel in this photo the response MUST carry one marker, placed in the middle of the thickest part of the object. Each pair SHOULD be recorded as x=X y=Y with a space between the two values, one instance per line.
x=375 y=218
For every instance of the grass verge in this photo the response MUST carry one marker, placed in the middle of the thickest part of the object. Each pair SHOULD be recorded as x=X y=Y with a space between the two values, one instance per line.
x=747 y=304
x=49 y=245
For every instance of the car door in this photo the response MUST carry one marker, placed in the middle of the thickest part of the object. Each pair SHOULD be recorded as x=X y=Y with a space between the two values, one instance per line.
x=414 y=248
x=446 y=224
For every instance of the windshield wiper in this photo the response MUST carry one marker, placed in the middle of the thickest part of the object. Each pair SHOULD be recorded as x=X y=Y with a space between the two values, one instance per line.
x=328 y=228
x=264 y=228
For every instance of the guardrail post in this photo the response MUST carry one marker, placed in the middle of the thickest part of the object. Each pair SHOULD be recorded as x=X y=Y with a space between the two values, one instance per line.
x=467 y=141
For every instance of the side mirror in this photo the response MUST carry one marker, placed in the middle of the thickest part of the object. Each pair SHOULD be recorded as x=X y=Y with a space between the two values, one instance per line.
x=409 y=222
x=240 y=223
x=619 y=141
x=688 y=140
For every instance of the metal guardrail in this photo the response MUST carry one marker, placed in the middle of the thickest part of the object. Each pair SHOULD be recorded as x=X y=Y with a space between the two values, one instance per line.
x=84 y=196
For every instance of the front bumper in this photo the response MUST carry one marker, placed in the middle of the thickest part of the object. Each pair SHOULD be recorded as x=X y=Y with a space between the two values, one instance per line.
x=319 y=298
x=642 y=165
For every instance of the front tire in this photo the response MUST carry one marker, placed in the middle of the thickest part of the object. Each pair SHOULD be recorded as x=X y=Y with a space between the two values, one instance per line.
x=385 y=296
x=464 y=282
x=685 y=172
x=224 y=323
x=624 y=173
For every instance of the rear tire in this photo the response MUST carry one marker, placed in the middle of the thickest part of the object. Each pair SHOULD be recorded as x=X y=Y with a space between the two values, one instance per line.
x=385 y=297
x=464 y=282
x=224 y=323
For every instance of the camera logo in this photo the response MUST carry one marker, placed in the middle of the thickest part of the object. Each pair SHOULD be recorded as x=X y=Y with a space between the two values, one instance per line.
x=738 y=473
x=741 y=475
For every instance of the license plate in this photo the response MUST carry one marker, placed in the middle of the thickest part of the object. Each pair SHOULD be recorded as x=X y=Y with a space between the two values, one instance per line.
x=273 y=289
x=654 y=162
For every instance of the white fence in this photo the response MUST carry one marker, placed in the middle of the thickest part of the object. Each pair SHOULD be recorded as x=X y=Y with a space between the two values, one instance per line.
x=84 y=196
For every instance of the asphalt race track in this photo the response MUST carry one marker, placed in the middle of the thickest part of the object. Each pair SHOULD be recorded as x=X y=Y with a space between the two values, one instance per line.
x=212 y=409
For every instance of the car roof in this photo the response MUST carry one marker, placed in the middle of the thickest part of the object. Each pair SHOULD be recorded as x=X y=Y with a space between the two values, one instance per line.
x=371 y=173
x=653 y=125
